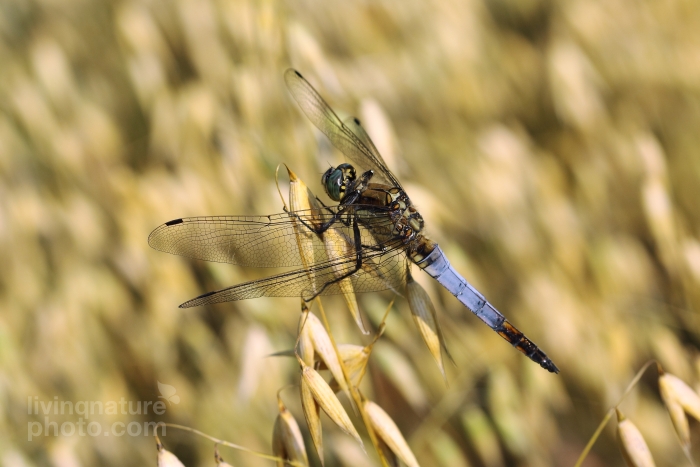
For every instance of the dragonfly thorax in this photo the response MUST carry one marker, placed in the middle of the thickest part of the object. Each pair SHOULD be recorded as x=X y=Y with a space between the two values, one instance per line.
x=408 y=223
x=338 y=180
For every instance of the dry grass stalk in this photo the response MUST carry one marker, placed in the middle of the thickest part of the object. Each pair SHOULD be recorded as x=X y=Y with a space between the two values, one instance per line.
x=322 y=345
x=221 y=442
x=354 y=391
x=632 y=445
x=355 y=358
x=312 y=416
x=610 y=412
x=389 y=433
x=337 y=247
x=301 y=198
x=425 y=317
x=327 y=400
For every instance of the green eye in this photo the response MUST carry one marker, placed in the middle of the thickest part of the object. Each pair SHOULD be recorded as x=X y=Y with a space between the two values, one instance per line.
x=332 y=181
x=336 y=181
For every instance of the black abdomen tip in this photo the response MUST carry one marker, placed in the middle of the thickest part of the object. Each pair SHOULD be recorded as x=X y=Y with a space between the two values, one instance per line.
x=549 y=366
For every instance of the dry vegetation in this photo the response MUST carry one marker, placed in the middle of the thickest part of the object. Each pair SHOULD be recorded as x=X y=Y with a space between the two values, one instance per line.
x=552 y=148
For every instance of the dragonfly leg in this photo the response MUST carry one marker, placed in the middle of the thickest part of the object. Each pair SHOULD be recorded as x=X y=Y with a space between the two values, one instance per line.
x=327 y=208
x=358 y=262
x=323 y=205
x=323 y=227
x=374 y=247
x=347 y=201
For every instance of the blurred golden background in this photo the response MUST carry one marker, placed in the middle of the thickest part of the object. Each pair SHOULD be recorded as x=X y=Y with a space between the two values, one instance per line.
x=552 y=148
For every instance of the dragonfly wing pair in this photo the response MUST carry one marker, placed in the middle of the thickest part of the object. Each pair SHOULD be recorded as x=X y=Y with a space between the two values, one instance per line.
x=271 y=241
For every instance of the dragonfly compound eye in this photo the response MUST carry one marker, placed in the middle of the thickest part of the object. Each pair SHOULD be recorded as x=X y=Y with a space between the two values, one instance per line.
x=336 y=181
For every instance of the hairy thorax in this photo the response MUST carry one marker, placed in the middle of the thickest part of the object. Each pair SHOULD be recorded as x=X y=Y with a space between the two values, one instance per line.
x=407 y=221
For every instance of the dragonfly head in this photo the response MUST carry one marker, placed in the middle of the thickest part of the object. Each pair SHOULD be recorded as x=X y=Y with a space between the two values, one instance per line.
x=337 y=180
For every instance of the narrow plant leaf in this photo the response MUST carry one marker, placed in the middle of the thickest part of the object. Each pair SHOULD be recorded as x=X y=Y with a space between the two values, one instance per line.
x=311 y=414
x=386 y=429
x=425 y=317
x=326 y=399
x=284 y=353
x=632 y=445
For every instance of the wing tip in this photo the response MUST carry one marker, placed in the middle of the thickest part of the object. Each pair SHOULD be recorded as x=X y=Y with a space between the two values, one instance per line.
x=196 y=301
x=153 y=237
x=152 y=240
x=292 y=71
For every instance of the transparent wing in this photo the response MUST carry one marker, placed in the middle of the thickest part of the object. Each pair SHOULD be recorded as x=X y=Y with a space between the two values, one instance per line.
x=380 y=270
x=354 y=125
x=268 y=241
x=355 y=147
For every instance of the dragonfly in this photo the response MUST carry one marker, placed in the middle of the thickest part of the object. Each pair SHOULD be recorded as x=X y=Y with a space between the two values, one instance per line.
x=370 y=237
